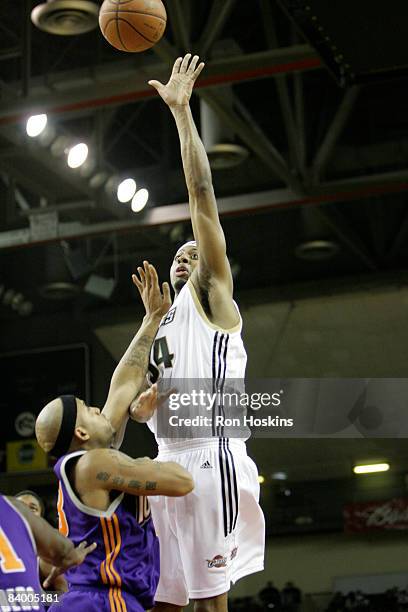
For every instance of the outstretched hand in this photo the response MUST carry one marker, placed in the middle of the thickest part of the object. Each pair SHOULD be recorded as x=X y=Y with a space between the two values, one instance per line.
x=145 y=405
x=76 y=557
x=156 y=302
x=177 y=92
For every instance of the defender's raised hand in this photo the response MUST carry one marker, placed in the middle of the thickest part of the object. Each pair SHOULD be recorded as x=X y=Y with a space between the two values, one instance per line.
x=178 y=90
x=156 y=302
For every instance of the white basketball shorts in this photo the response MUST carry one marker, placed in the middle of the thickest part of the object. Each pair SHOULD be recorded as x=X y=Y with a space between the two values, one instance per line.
x=216 y=534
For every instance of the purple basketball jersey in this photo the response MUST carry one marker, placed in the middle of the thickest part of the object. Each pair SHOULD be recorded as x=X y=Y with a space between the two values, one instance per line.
x=18 y=559
x=127 y=553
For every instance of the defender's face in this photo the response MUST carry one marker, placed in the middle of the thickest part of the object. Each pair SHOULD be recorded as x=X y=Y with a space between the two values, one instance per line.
x=32 y=503
x=184 y=264
x=95 y=423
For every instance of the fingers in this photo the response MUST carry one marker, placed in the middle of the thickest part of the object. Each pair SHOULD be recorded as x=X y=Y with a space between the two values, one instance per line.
x=154 y=278
x=193 y=64
x=156 y=84
x=184 y=63
x=137 y=282
x=176 y=66
x=90 y=548
x=198 y=70
x=146 y=266
x=142 y=276
x=48 y=582
x=166 y=293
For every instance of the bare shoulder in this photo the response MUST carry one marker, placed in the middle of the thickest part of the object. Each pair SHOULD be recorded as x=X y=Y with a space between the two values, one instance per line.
x=89 y=466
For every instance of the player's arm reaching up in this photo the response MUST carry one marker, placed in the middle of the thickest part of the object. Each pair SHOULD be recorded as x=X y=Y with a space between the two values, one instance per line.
x=130 y=372
x=213 y=272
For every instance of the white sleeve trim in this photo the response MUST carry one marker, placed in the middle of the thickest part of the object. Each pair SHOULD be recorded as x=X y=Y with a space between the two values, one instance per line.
x=77 y=502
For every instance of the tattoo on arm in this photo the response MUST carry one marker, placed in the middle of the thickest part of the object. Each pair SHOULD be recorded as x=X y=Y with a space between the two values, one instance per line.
x=123 y=461
x=139 y=354
x=118 y=481
x=135 y=484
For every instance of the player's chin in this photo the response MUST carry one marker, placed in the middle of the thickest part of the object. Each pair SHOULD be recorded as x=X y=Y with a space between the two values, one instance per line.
x=179 y=283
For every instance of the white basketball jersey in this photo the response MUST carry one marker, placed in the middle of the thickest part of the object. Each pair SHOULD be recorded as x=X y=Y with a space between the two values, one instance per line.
x=189 y=346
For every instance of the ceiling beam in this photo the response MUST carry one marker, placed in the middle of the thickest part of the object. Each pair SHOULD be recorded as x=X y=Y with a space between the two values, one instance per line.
x=251 y=134
x=176 y=18
x=122 y=82
x=282 y=87
x=333 y=133
x=341 y=191
x=247 y=129
x=347 y=234
x=219 y=13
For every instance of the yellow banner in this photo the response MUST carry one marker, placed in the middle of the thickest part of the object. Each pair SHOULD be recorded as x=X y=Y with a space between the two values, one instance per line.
x=25 y=456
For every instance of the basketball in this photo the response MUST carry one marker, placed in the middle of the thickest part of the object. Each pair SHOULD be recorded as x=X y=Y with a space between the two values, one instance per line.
x=132 y=25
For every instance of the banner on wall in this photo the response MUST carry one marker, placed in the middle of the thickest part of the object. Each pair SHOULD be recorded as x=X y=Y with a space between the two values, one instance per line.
x=391 y=515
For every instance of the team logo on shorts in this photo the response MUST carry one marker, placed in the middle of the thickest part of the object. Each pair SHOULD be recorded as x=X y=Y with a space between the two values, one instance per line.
x=217 y=561
x=234 y=553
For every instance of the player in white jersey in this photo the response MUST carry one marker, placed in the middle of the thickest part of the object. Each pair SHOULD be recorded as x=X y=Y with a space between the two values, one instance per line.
x=215 y=535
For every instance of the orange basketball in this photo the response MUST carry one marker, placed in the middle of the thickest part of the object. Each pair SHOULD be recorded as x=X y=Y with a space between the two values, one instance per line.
x=132 y=25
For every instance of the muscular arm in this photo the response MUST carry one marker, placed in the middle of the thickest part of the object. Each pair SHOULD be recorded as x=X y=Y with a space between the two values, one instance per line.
x=205 y=220
x=207 y=229
x=103 y=469
x=51 y=545
x=129 y=375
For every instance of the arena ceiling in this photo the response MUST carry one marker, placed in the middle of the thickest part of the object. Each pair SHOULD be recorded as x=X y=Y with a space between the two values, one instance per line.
x=324 y=163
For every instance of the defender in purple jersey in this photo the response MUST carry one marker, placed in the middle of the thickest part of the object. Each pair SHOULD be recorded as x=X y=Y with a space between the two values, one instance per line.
x=103 y=493
x=22 y=534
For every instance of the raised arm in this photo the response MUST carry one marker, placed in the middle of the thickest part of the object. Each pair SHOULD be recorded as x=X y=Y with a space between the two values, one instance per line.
x=130 y=372
x=208 y=233
x=108 y=470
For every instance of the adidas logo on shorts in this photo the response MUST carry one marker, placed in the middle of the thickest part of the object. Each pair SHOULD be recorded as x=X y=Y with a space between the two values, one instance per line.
x=206 y=465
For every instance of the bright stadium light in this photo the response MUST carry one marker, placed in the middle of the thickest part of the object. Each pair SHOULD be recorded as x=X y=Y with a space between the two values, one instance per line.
x=35 y=125
x=126 y=190
x=261 y=479
x=77 y=155
x=140 y=200
x=371 y=468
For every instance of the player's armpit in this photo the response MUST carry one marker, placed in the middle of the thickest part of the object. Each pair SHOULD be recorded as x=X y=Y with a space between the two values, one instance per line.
x=109 y=469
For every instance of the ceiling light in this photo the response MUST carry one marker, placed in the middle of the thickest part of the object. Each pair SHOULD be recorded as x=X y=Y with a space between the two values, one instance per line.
x=371 y=468
x=77 y=155
x=261 y=479
x=126 y=190
x=279 y=476
x=36 y=124
x=140 y=200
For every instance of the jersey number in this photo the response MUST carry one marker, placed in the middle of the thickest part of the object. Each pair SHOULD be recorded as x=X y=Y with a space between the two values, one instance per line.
x=9 y=561
x=143 y=511
x=161 y=355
